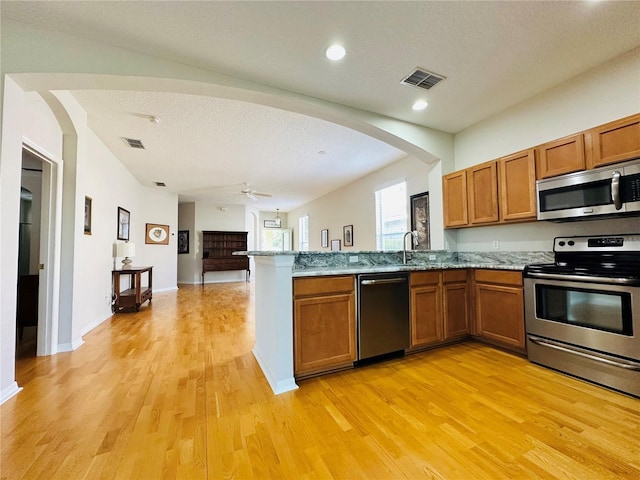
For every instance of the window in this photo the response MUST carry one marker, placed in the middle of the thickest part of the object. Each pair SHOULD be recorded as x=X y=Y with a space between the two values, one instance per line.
x=391 y=216
x=303 y=227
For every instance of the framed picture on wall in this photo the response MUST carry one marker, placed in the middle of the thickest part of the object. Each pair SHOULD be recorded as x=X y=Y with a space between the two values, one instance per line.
x=420 y=219
x=124 y=221
x=87 y=215
x=335 y=245
x=157 y=234
x=324 y=238
x=347 y=233
x=183 y=241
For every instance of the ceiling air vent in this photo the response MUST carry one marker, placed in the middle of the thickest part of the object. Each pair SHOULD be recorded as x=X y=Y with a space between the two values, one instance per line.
x=160 y=184
x=134 y=143
x=422 y=79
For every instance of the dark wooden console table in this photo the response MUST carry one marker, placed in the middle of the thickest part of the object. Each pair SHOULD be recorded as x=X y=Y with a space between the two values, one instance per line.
x=136 y=294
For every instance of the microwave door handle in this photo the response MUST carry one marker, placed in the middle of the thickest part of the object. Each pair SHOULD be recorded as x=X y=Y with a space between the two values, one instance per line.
x=615 y=190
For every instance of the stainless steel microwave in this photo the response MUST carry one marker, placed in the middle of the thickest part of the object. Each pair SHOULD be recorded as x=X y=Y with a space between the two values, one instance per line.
x=605 y=191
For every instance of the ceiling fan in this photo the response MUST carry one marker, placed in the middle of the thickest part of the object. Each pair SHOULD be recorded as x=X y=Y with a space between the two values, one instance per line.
x=251 y=193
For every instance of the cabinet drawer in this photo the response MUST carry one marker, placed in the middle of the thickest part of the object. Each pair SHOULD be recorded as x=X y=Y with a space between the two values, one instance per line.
x=225 y=263
x=502 y=277
x=425 y=278
x=451 y=276
x=323 y=285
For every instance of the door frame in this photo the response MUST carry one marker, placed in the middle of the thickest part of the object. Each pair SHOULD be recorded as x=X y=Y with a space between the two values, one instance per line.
x=50 y=243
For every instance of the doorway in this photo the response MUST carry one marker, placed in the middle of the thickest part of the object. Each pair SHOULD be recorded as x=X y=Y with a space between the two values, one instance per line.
x=27 y=305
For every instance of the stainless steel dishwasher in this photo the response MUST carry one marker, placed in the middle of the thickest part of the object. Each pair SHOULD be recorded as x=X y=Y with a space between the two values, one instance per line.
x=383 y=314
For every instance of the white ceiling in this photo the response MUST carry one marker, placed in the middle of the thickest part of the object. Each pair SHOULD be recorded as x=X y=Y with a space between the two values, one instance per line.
x=494 y=55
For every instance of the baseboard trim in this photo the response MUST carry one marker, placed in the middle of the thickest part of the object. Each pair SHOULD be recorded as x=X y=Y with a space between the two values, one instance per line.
x=278 y=386
x=9 y=392
x=168 y=289
x=70 y=347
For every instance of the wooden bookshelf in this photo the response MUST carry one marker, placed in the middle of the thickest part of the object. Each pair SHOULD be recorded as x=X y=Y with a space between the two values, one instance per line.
x=217 y=252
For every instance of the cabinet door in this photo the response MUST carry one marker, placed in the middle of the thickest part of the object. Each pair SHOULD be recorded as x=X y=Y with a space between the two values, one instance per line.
x=456 y=310
x=517 y=174
x=500 y=315
x=482 y=189
x=561 y=156
x=454 y=191
x=616 y=141
x=324 y=333
x=426 y=315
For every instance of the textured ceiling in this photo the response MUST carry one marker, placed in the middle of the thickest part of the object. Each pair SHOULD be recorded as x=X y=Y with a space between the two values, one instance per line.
x=217 y=145
x=494 y=55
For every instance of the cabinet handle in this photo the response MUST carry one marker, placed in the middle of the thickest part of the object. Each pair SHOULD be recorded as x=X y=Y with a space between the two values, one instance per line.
x=383 y=281
x=554 y=345
x=615 y=190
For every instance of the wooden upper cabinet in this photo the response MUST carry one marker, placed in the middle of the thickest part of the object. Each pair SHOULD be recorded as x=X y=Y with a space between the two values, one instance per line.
x=517 y=177
x=615 y=141
x=482 y=190
x=454 y=192
x=565 y=155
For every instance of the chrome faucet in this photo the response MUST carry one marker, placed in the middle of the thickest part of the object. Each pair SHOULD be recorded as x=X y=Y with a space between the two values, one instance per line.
x=414 y=243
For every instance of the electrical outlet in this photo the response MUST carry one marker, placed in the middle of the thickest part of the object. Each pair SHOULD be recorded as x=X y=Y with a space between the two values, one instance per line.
x=107 y=299
x=496 y=244
x=432 y=257
x=353 y=258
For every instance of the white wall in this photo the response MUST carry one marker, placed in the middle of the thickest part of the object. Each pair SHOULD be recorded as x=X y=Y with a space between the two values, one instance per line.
x=606 y=93
x=354 y=204
x=101 y=176
x=86 y=272
x=14 y=107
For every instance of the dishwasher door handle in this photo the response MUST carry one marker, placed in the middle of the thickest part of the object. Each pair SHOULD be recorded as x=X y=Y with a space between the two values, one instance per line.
x=383 y=281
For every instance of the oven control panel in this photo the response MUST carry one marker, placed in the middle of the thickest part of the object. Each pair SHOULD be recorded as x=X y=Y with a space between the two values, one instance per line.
x=597 y=243
x=605 y=242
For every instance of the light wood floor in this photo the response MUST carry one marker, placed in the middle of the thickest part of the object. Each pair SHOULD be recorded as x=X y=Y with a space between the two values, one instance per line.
x=174 y=392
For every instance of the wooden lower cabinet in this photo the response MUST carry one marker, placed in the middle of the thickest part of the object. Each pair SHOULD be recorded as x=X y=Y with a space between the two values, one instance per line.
x=456 y=311
x=499 y=308
x=324 y=324
x=426 y=308
x=439 y=306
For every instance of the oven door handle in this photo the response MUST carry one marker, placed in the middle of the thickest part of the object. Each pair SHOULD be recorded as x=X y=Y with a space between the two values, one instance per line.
x=548 y=343
x=580 y=278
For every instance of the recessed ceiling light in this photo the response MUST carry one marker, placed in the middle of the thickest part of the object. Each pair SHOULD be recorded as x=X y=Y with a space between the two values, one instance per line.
x=420 y=105
x=335 y=52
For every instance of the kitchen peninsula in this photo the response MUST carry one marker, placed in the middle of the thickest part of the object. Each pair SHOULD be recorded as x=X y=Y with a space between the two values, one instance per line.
x=276 y=271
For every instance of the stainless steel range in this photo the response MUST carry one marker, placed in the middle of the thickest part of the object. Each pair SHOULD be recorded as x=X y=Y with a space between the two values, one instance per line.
x=582 y=312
